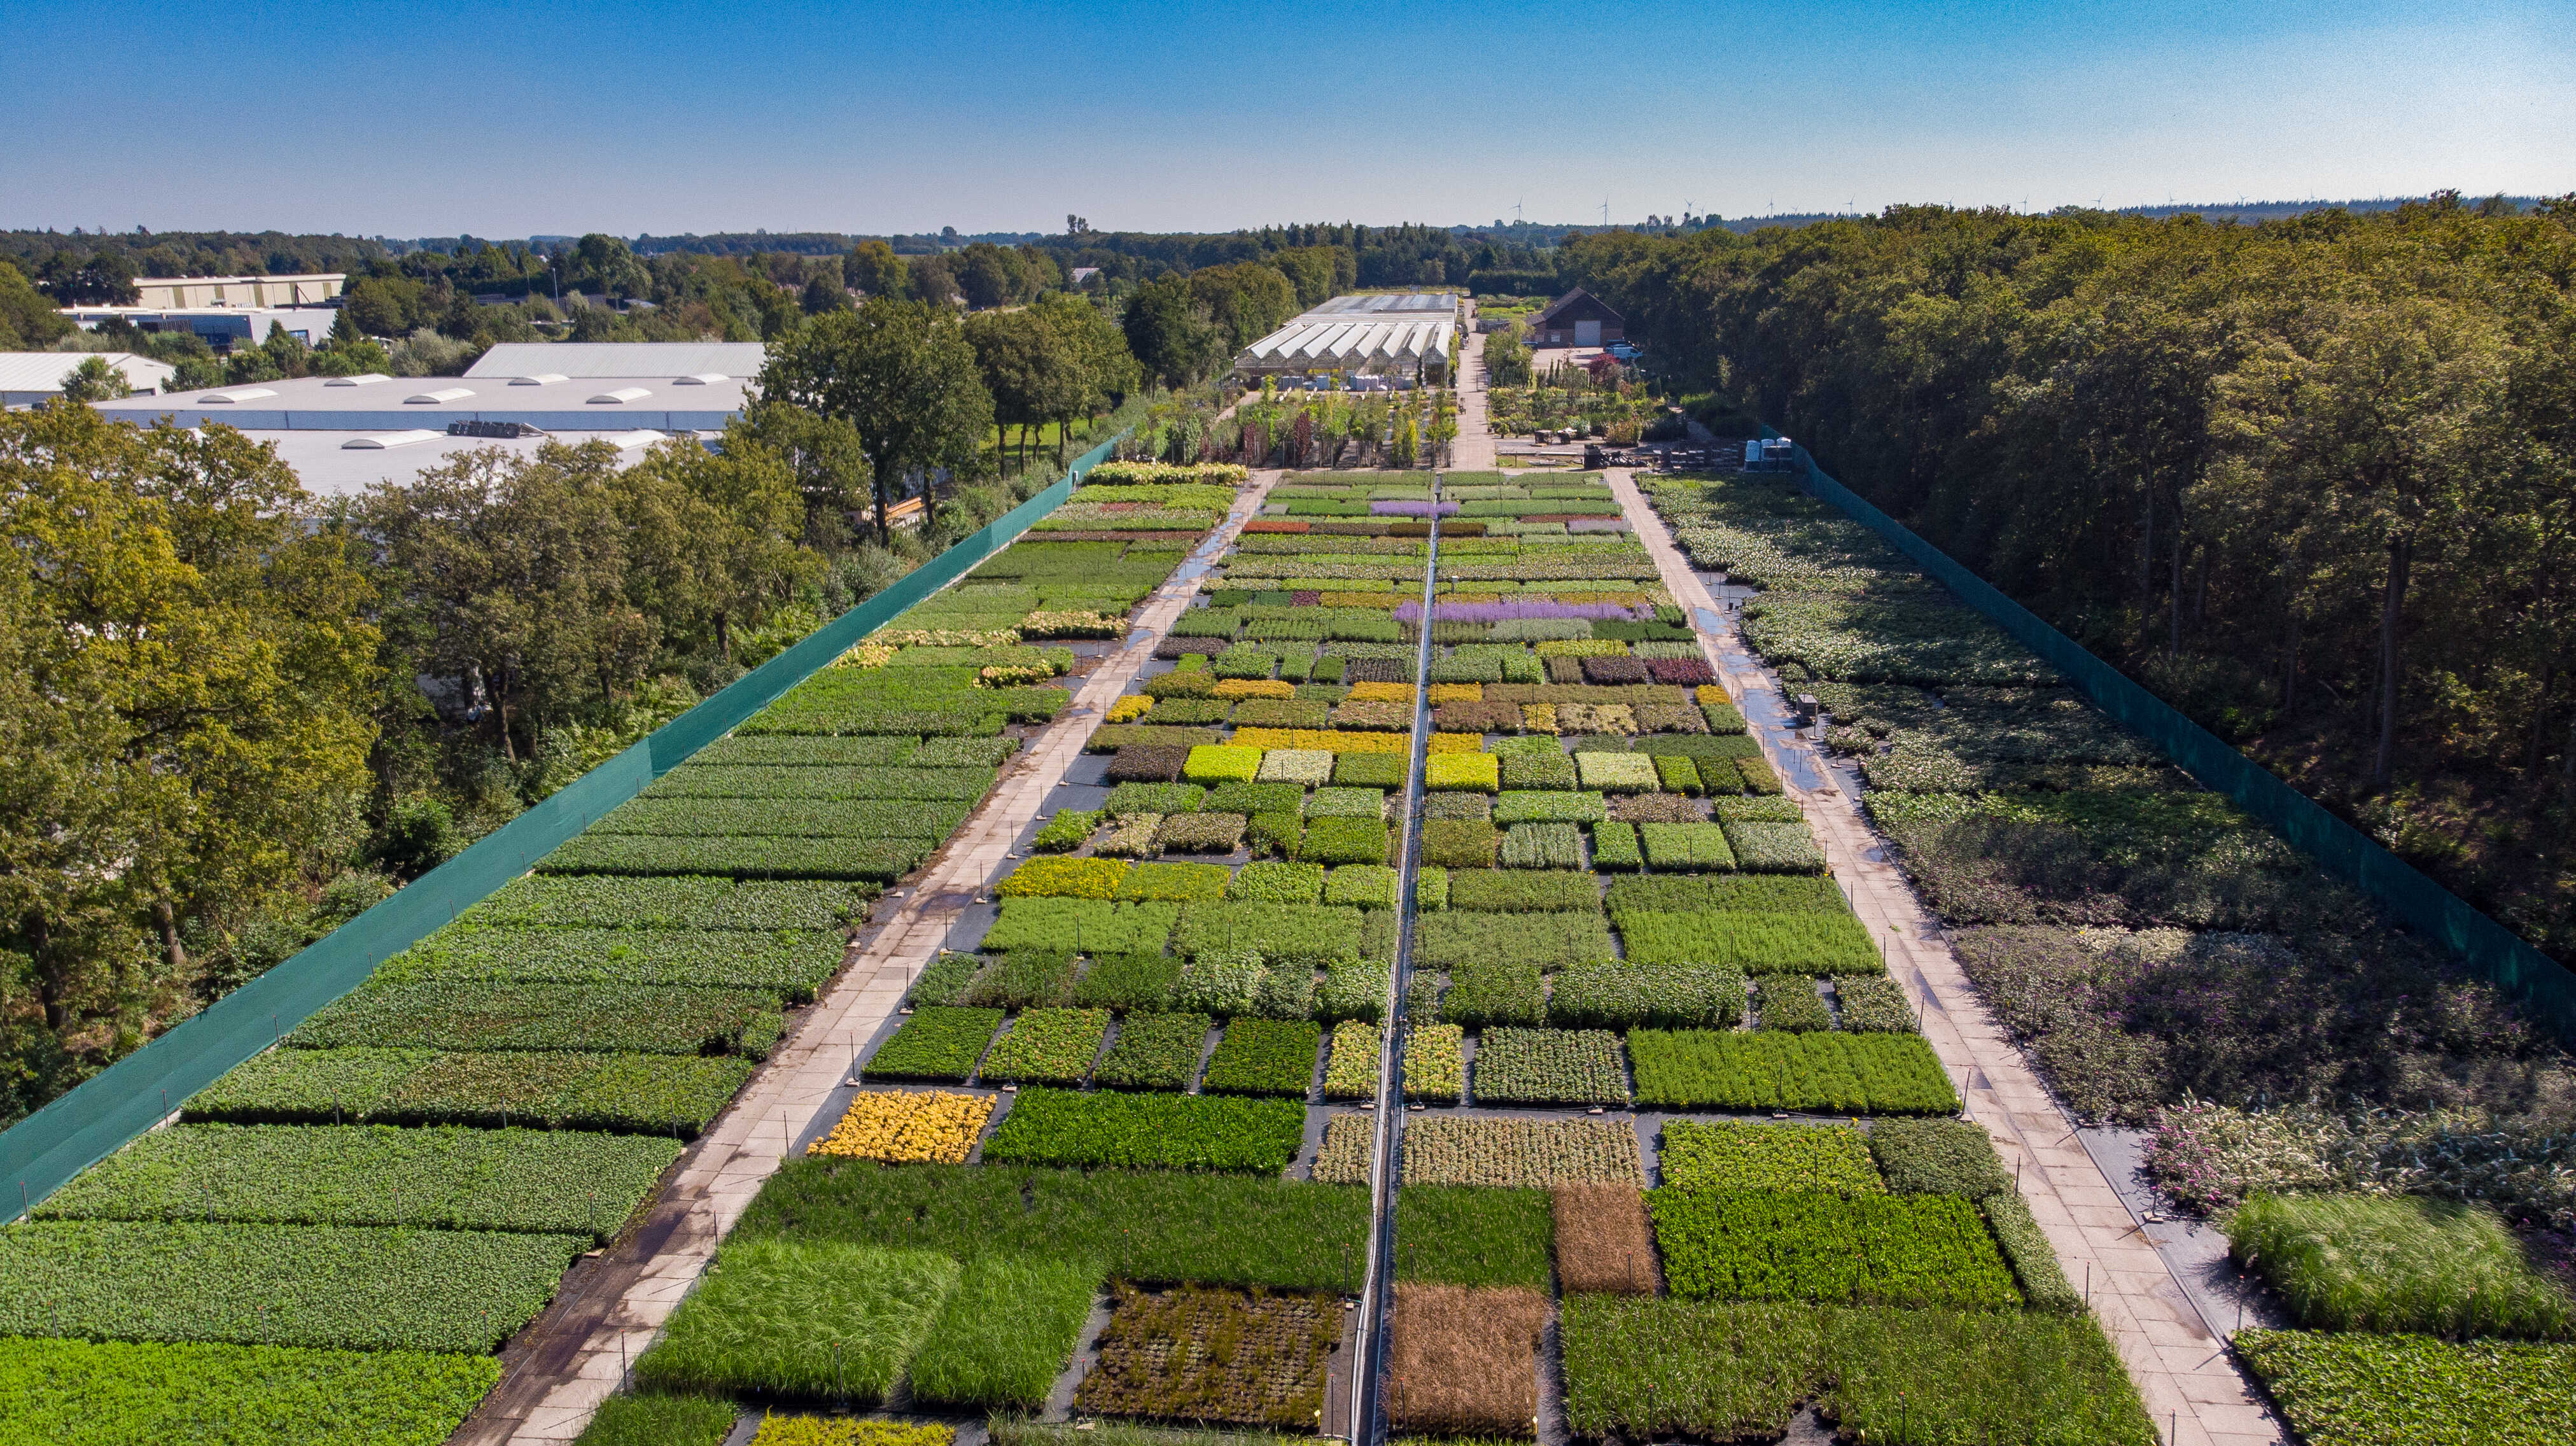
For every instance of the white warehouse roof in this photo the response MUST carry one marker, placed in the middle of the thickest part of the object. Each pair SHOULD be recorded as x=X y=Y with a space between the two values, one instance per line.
x=27 y=377
x=400 y=404
x=345 y=464
x=739 y=360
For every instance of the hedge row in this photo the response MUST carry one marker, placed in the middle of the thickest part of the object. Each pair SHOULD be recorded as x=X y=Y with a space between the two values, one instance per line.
x=790 y=964
x=648 y=1094
x=479 y=1015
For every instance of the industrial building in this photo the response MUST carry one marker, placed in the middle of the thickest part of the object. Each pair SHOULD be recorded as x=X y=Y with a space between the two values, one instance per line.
x=344 y=464
x=28 y=378
x=181 y=293
x=732 y=360
x=542 y=401
x=219 y=327
x=1404 y=335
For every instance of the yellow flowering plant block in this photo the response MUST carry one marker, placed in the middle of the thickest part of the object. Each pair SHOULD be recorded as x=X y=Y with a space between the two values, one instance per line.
x=1129 y=708
x=1065 y=878
x=1255 y=688
x=866 y=655
x=908 y=1127
x=1539 y=717
x=1381 y=693
x=1454 y=743
x=1328 y=740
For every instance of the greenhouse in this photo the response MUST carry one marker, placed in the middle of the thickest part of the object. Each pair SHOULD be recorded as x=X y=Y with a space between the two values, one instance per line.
x=1406 y=334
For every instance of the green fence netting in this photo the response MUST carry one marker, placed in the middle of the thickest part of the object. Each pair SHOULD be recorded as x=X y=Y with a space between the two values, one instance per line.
x=2497 y=953
x=45 y=1150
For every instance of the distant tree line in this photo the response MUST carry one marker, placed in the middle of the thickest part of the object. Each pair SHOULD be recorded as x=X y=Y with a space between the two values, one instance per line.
x=2313 y=480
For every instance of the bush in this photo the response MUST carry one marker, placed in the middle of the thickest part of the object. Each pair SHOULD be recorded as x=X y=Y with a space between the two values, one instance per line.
x=1700 y=1155
x=1737 y=1371
x=1249 y=798
x=1143 y=762
x=1177 y=883
x=1350 y=1071
x=2346 y=1389
x=1354 y=989
x=1054 y=1046
x=1873 y=1005
x=1154 y=1051
x=1770 y=894
x=1476 y=771
x=1685 y=847
x=1548 y=942
x=1614 y=848
x=1090 y=925
x=1368 y=886
x=1543 y=846
x=1550 y=1067
x=1129 y=798
x=1473 y=1235
x=741 y=856
x=479 y=1015
x=1789 y=1002
x=1938 y=1157
x=1469 y=1149
x=1833 y=1073
x=1775 y=848
x=1149 y=1131
x=1500 y=989
x=1537 y=806
x=1137 y=836
x=687 y=902
x=792 y=964
x=801 y=1317
x=1278 y=883
x=640 y=1093
x=1221 y=982
x=1344 y=841
x=1368 y=803
x=1616 y=772
x=289 y=1285
x=1549 y=771
x=1303 y=934
x=1370 y=769
x=1459 y=843
x=2044 y=1285
x=1064 y=878
x=1124 y=982
x=1222 y=763
x=1615 y=995
x=1281 y=833
x=1005 y=1333
x=935 y=1044
x=1203 y=833
x=1497 y=892
x=1264 y=1057
x=1435 y=1063
x=94 y=1393
x=447 y=1178
x=1871 y=1249
x=1302 y=767
x=1066 y=830
x=2400 y=1264
x=1136 y=1225
x=1811 y=944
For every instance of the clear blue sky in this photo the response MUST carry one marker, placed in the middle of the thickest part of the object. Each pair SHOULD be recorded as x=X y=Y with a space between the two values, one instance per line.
x=427 y=119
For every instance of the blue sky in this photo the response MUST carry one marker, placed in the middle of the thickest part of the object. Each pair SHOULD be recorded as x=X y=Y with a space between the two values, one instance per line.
x=509 y=120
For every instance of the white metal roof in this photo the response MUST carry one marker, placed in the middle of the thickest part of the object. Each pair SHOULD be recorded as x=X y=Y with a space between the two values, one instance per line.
x=576 y=404
x=591 y=360
x=344 y=464
x=43 y=371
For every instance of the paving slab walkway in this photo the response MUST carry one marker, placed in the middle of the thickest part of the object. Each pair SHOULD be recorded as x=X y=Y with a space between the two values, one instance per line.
x=609 y=1311
x=1473 y=450
x=2183 y=1370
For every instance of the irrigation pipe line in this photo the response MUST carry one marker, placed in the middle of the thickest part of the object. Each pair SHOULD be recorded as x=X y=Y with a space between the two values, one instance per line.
x=1368 y=1358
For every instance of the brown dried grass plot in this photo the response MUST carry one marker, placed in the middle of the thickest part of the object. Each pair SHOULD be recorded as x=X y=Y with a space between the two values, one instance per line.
x=1603 y=1243
x=1465 y=1359
x=1198 y=1354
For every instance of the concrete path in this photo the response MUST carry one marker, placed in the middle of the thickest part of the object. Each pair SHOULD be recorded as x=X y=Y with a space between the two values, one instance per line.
x=1473 y=451
x=610 y=1309
x=2183 y=1370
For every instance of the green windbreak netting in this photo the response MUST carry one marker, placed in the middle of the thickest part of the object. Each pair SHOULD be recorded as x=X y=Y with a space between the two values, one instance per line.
x=2342 y=850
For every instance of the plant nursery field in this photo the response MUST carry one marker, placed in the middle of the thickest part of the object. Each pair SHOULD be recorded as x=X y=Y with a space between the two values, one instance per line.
x=341 y=1231
x=2167 y=962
